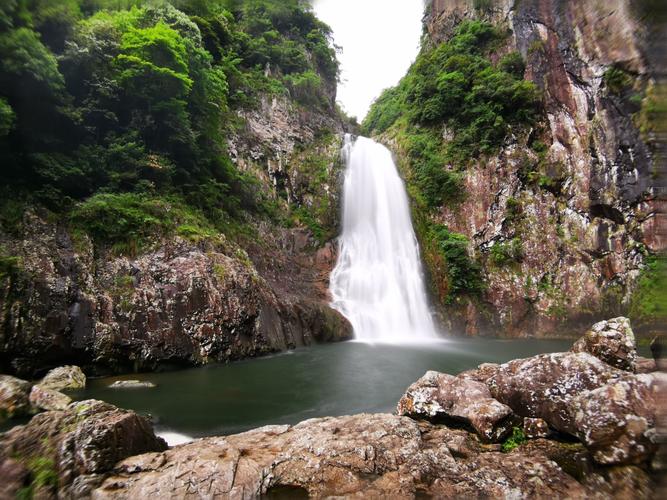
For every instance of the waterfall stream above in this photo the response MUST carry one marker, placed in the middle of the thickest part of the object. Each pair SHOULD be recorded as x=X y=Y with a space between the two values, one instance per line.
x=378 y=283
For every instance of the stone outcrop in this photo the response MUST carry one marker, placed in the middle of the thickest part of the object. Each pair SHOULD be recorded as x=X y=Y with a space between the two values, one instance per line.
x=543 y=386
x=619 y=422
x=586 y=232
x=369 y=456
x=75 y=446
x=14 y=394
x=611 y=341
x=441 y=397
x=64 y=378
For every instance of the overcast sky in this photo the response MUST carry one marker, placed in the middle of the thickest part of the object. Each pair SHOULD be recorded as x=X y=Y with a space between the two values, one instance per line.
x=380 y=39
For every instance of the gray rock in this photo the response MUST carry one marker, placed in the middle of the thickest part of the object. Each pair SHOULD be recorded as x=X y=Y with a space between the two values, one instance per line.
x=619 y=421
x=611 y=341
x=47 y=399
x=132 y=384
x=13 y=397
x=438 y=396
x=64 y=377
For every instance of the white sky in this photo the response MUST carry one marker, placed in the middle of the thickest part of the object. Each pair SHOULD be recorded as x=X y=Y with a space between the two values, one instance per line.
x=380 y=39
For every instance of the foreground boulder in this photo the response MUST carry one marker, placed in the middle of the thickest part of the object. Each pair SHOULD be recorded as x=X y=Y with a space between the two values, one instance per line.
x=75 y=447
x=611 y=341
x=440 y=397
x=47 y=399
x=619 y=421
x=543 y=386
x=13 y=397
x=367 y=456
x=64 y=378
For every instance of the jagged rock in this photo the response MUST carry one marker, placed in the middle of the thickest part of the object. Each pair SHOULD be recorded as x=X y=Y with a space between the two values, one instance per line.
x=47 y=399
x=369 y=456
x=86 y=438
x=535 y=428
x=13 y=397
x=543 y=386
x=618 y=421
x=438 y=396
x=132 y=384
x=64 y=377
x=612 y=341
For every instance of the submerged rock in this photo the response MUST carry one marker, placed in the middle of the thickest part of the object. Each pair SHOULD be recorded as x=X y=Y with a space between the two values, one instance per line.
x=64 y=377
x=14 y=400
x=543 y=386
x=47 y=399
x=78 y=444
x=132 y=384
x=611 y=341
x=438 y=396
x=619 y=421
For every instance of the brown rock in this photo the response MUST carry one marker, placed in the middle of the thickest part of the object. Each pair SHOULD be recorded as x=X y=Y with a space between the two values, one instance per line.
x=14 y=475
x=612 y=341
x=645 y=365
x=13 y=397
x=47 y=399
x=87 y=438
x=543 y=386
x=535 y=428
x=438 y=396
x=64 y=377
x=618 y=421
x=364 y=456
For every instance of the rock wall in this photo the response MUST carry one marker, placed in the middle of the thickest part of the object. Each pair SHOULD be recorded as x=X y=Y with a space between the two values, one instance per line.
x=587 y=232
x=185 y=302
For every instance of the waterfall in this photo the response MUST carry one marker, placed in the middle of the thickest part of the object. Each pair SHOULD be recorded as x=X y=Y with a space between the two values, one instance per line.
x=378 y=283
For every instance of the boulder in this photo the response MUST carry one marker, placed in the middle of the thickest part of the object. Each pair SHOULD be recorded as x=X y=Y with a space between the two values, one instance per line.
x=645 y=365
x=440 y=397
x=132 y=384
x=13 y=397
x=85 y=439
x=64 y=377
x=363 y=456
x=543 y=386
x=47 y=399
x=611 y=341
x=618 y=422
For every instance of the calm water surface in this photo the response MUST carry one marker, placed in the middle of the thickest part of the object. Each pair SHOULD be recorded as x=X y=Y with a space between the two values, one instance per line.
x=334 y=379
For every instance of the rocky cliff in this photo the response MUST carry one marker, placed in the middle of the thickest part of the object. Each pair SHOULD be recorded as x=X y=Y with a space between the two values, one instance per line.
x=566 y=218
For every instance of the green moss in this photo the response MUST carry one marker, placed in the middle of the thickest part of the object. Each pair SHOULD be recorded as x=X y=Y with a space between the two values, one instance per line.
x=517 y=438
x=507 y=252
x=648 y=304
x=43 y=475
x=617 y=80
x=10 y=266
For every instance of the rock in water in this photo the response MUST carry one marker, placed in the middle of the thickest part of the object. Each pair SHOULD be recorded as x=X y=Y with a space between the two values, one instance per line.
x=611 y=341
x=132 y=384
x=543 y=386
x=64 y=377
x=14 y=400
x=619 y=422
x=47 y=399
x=78 y=444
x=438 y=396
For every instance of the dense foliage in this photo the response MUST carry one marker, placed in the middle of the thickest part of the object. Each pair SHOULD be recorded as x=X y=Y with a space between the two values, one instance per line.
x=130 y=96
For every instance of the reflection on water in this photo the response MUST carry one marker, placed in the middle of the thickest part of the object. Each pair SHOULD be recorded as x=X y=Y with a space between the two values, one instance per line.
x=336 y=379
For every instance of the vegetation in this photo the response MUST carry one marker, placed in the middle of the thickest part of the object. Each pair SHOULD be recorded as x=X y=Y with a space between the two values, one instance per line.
x=507 y=252
x=43 y=478
x=517 y=438
x=649 y=302
x=115 y=113
x=617 y=80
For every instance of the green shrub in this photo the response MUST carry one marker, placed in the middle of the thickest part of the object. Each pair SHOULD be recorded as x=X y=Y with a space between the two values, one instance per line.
x=617 y=80
x=507 y=252
x=649 y=301
x=517 y=438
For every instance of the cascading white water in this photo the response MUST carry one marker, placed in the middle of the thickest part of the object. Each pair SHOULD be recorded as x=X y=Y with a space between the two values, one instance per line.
x=378 y=282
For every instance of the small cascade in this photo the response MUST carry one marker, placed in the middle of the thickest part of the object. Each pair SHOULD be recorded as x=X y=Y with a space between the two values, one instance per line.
x=378 y=283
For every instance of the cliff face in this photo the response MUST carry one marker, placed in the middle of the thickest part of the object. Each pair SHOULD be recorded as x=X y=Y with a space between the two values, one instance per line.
x=188 y=300
x=590 y=224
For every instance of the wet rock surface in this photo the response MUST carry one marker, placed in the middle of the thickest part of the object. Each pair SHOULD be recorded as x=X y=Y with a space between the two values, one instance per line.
x=132 y=384
x=438 y=397
x=611 y=341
